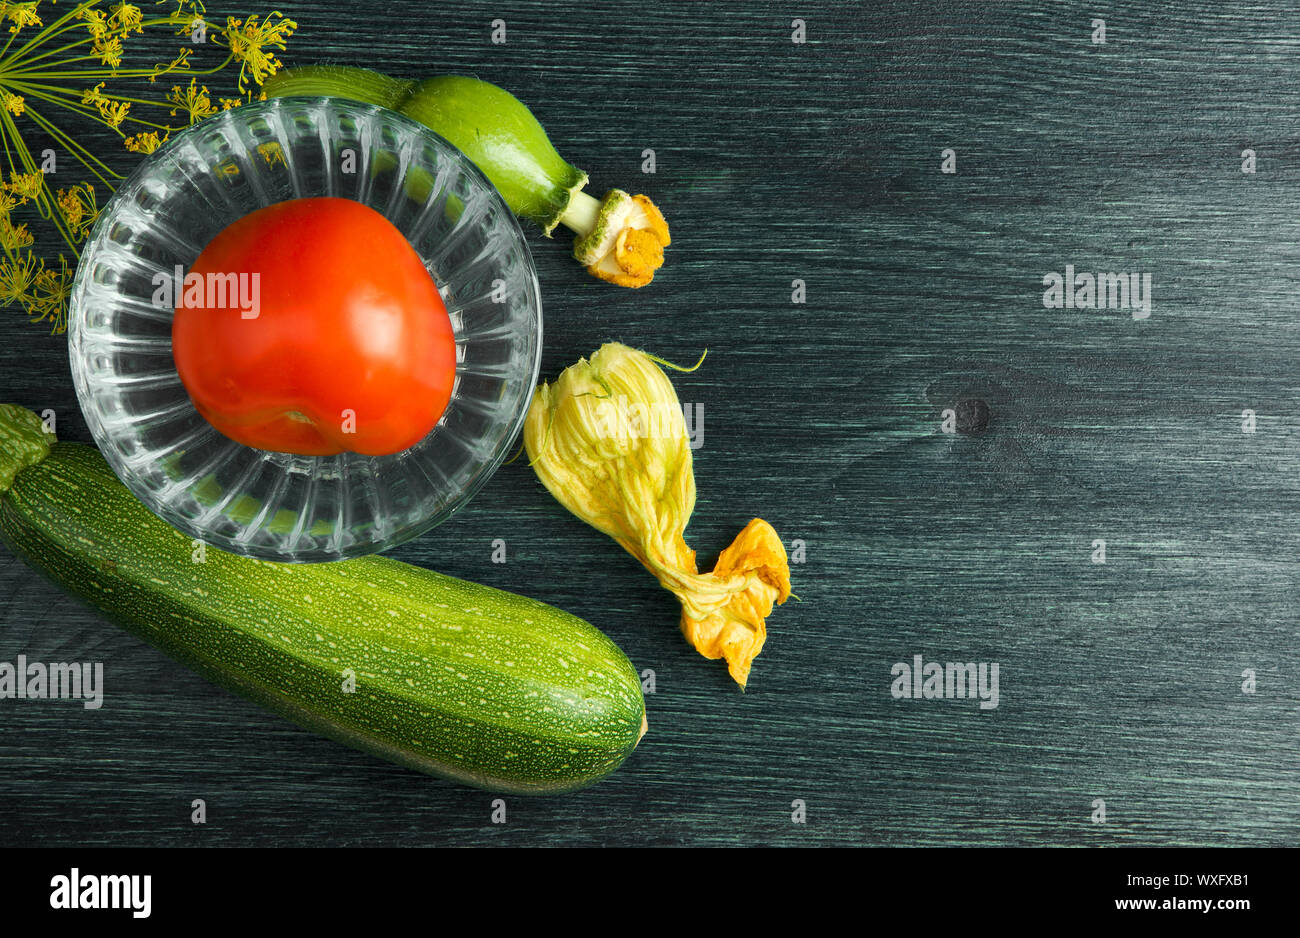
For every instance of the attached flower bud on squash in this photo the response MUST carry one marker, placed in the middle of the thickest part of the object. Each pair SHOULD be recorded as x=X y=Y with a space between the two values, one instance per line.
x=626 y=243
x=608 y=440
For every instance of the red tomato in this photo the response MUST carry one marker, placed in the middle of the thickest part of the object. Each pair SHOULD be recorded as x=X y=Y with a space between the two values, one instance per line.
x=341 y=342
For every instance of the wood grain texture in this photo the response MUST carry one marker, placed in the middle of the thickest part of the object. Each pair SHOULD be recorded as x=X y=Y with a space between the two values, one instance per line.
x=820 y=162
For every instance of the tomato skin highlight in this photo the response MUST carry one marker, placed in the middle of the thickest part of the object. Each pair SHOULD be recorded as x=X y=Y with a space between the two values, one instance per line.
x=350 y=348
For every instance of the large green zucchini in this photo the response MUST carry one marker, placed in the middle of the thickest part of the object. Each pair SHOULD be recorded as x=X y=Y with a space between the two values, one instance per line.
x=452 y=678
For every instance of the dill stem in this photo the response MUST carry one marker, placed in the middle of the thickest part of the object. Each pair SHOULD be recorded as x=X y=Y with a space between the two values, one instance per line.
x=84 y=156
x=46 y=205
x=27 y=87
x=18 y=59
x=8 y=42
x=48 y=32
x=110 y=73
x=4 y=133
x=60 y=99
x=18 y=56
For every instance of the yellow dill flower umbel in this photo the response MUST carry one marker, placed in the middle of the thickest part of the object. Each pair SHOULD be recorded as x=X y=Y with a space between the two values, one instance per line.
x=52 y=290
x=17 y=277
x=126 y=18
x=193 y=100
x=111 y=112
x=22 y=14
x=96 y=23
x=114 y=112
x=25 y=185
x=145 y=142
x=109 y=51
x=249 y=40
x=608 y=439
x=14 y=237
x=79 y=208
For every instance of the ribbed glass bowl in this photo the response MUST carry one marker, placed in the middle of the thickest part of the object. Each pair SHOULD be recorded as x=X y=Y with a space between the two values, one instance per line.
x=274 y=505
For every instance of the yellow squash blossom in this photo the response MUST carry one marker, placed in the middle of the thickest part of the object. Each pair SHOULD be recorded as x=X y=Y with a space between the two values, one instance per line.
x=608 y=439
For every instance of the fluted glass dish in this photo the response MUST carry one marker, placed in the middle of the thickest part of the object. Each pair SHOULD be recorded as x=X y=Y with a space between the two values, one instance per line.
x=278 y=506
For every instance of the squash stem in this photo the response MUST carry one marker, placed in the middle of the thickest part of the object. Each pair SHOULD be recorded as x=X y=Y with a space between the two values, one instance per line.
x=24 y=441
x=581 y=214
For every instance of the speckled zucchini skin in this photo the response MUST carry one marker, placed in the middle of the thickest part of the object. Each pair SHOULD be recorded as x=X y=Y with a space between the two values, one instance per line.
x=451 y=678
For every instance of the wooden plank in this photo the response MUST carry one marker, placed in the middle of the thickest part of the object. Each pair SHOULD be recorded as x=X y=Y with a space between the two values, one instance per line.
x=821 y=162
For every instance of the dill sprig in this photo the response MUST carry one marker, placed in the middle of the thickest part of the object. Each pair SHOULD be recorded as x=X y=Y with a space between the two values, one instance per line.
x=74 y=65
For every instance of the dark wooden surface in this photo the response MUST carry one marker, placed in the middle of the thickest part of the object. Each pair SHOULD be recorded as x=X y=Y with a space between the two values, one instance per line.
x=820 y=162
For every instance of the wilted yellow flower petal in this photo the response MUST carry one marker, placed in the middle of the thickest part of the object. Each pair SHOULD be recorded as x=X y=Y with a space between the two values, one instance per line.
x=608 y=439
x=625 y=245
x=724 y=614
